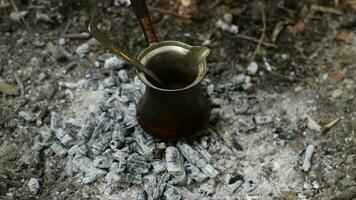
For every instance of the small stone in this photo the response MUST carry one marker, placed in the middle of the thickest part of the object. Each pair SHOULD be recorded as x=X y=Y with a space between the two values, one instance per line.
x=337 y=93
x=231 y=28
x=97 y=64
x=62 y=41
x=113 y=63
x=38 y=43
x=33 y=185
x=42 y=76
x=252 y=68
x=228 y=18
x=248 y=185
x=82 y=50
x=238 y=80
x=123 y=76
x=42 y=17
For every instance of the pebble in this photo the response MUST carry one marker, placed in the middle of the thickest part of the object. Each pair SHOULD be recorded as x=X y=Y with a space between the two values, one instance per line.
x=337 y=93
x=33 y=185
x=26 y=116
x=42 y=76
x=82 y=50
x=252 y=68
x=231 y=28
x=238 y=80
x=113 y=63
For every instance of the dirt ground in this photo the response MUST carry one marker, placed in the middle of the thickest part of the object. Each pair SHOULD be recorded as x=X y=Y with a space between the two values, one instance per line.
x=306 y=57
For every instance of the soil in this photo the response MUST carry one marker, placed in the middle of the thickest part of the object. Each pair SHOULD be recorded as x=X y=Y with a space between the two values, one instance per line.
x=307 y=65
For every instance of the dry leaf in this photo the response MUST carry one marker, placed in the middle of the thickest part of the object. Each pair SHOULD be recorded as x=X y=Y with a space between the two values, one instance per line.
x=336 y=76
x=8 y=89
x=277 y=30
x=297 y=28
x=332 y=123
x=312 y=124
x=310 y=80
x=325 y=9
x=344 y=35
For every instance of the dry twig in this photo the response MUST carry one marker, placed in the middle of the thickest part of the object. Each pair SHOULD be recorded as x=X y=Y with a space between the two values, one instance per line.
x=16 y=9
x=262 y=35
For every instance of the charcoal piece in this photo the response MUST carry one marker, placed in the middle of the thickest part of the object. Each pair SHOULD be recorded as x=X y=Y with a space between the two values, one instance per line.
x=249 y=185
x=194 y=173
x=121 y=131
x=67 y=140
x=33 y=185
x=207 y=189
x=113 y=63
x=172 y=193
x=114 y=166
x=247 y=126
x=116 y=144
x=73 y=122
x=120 y=177
x=102 y=162
x=101 y=143
x=134 y=147
x=132 y=92
x=196 y=159
x=307 y=159
x=87 y=130
x=174 y=161
x=245 y=109
x=56 y=121
x=137 y=164
x=78 y=149
x=120 y=154
x=261 y=120
x=149 y=147
x=123 y=76
x=159 y=166
x=160 y=186
x=86 y=166
x=203 y=152
x=82 y=50
x=58 y=149
x=141 y=195
x=27 y=116
x=45 y=133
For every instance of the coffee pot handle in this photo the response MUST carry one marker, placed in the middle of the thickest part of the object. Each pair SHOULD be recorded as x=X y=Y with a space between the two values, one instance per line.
x=142 y=14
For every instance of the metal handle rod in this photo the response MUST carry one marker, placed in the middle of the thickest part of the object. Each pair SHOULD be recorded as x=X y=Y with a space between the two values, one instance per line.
x=143 y=16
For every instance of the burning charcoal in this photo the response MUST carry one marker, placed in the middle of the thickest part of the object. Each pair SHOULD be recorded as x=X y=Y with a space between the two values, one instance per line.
x=174 y=161
x=58 y=149
x=141 y=195
x=27 y=116
x=307 y=159
x=82 y=50
x=123 y=76
x=113 y=63
x=33 y=185
x=120 y=132
x=235 y=182
x=207 y=189
x=101 y=143
x=102 y=162
x=134 y=147
x=137 y=164
x=120 y=155
x=120 y=177
x=252 y=68
x=149 y=184
x=159 y=166
x=192 y=156
x=203 y=152
x=172 y=193
x=160 y=186
x=260 y=120
x=56 y=121
x=86 y=166
x=194 y=172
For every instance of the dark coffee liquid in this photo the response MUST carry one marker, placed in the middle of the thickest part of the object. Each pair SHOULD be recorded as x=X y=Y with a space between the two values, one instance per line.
x=175 y=81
